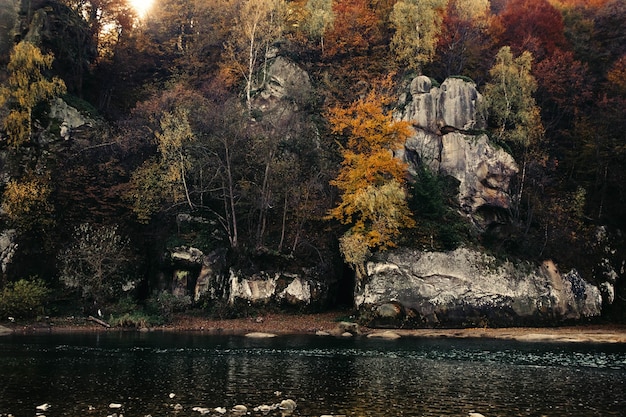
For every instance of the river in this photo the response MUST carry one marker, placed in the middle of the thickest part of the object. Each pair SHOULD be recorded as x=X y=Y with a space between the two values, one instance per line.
x=81 y=374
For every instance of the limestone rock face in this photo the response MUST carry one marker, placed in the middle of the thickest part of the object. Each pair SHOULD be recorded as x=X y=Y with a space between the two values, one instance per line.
x=280 y=288
x=409 y=288
x=452 y=105
x=484 y=172
x=69 y=117
x=443 y=118
x=286 y=84
x=8 y=17
x=197 y=275
x=7 y=248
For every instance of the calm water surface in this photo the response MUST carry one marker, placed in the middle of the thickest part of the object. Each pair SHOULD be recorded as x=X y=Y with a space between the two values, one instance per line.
x=352 y=377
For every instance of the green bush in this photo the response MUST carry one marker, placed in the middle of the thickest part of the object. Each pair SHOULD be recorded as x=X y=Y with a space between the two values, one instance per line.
x=23 y=299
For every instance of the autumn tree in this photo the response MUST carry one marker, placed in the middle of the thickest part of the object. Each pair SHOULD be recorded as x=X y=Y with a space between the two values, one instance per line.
x=26 y=202
x=355 y=29
x=532 y=25
x=320 y=18
x=27 y=86
x=509 y=98
x=465 y=41
x=258 y=25
x=513 y=112
x=164 y=178
x=417 y=25
x=371 y=180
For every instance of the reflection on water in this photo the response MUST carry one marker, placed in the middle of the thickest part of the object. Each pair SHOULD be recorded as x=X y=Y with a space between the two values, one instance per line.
x=353 y=377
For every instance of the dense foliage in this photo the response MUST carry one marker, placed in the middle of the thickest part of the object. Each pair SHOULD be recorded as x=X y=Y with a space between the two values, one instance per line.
x=176 y=133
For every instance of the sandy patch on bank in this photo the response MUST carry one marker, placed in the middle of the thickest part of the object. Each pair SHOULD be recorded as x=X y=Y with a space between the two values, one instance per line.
x=282 y=324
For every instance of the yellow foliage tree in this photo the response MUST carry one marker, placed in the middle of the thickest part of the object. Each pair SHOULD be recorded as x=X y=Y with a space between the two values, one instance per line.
x=26 y=202
x=417 y=25
x=164 y=179
x=371 y=179
x=26 y=87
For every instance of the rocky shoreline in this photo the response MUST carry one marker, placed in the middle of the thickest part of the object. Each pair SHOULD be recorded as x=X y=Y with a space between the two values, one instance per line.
x=335 y=324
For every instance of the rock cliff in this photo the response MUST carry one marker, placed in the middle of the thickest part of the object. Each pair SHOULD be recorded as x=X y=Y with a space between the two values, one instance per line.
x=409 y=288
x=446 y=120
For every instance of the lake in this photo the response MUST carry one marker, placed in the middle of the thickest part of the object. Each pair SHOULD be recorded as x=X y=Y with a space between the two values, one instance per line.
x=80 y=374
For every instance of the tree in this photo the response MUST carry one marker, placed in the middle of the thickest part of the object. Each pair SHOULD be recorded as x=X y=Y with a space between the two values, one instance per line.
x=417 y=25
x=258 y=25
x=320 y=18
x=26 y=87
x=96 y=262
x=371 y=180
x=26 y=202
x=355 y=29
x=464 y=42
x=532 y=25
x=509 y=99
x=164 y=179
x=513 y=111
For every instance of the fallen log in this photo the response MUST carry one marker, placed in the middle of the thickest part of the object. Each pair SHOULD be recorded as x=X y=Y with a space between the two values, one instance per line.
x=100 y=322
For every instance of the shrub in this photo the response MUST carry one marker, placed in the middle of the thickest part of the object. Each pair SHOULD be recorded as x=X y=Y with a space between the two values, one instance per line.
x=137 y=319
x=97 y=262
x=165 y=304
x=24 y=298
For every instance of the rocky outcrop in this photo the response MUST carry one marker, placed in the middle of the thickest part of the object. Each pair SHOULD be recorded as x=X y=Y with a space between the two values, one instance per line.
x=453 y=105
x=280 y=288
x=409 y=288
x=198 y=275
x=69 y=117
x=8 y=17
x=207 y=277
x=8 y=246
x=286 y=87
x=443 y=118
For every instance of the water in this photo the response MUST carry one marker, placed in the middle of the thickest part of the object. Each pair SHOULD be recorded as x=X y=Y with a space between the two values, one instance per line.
x=352 y=377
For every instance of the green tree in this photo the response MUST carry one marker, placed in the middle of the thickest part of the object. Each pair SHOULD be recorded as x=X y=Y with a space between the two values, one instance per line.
x=509 y=99
x=23 y=298
x=514 y=114
x=320 y=17
x=371 y=180
x=417 y=25
x=27 y=86
x=164 y=178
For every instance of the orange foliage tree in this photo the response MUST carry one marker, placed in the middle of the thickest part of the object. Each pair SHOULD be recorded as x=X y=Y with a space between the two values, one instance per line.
x=371 y=179
x=355 y=29
x=532 y=25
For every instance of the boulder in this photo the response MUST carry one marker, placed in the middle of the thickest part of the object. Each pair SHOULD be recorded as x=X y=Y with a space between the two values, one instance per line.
x=468 y=288
x=68 y=115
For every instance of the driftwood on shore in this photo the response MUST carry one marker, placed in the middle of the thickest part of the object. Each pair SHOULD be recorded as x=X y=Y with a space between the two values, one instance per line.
x=100 y=322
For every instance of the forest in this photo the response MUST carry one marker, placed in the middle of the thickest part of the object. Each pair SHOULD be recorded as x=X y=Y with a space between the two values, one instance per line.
x=179 y=152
